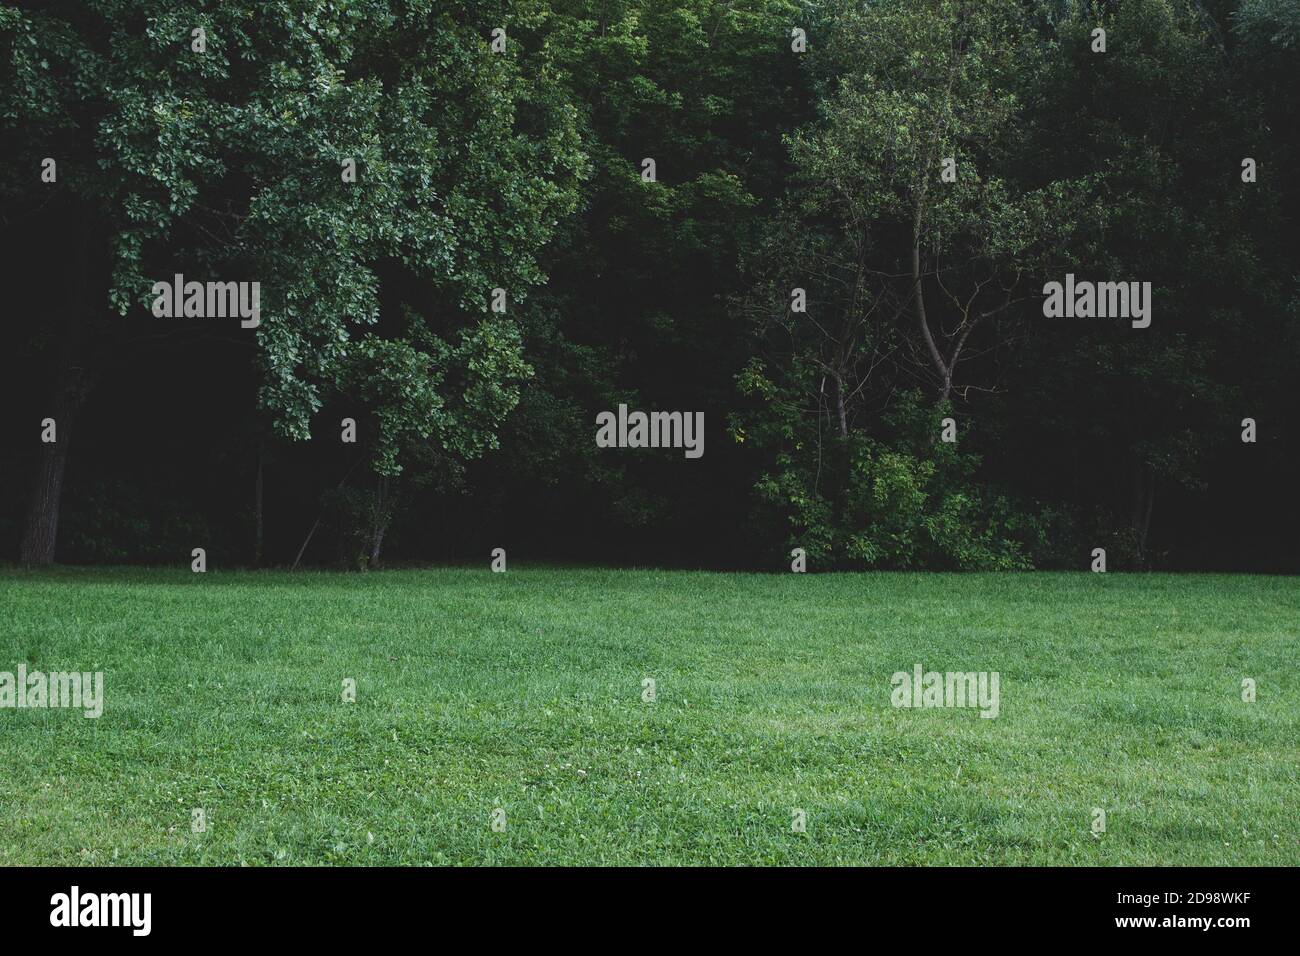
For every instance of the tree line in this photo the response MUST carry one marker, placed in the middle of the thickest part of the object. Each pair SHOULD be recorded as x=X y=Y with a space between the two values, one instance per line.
x=826 y=226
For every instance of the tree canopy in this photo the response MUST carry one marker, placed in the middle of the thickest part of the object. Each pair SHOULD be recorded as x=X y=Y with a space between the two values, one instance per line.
x=827 y=226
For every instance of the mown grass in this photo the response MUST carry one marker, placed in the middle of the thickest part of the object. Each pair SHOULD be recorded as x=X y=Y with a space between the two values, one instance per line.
x=524 y=691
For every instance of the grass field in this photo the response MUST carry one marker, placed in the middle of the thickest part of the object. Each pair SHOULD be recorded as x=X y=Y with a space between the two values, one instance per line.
x=523 y=691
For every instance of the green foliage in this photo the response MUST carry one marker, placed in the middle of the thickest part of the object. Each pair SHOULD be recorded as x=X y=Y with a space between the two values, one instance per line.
x=1120 y=165
x=228 y=162
x=1270 y=22
x=635 y=310
x=112 y=523
x=883 y=247
x=910 y=506
x=775 y=171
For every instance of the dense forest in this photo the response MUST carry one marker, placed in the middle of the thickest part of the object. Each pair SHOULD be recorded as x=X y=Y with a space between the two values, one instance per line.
x=828 y=226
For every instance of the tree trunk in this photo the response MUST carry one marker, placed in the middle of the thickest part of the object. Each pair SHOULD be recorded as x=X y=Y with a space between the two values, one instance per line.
x=41 y=528
x=380 y=524
x=1146 y=517
x=839 y=406
x=257 y=508
x=1143 y=501
x=1144 y=494
x=918 y=291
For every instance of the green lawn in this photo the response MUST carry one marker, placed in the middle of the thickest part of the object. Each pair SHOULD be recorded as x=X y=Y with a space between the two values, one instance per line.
x=523 y=691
